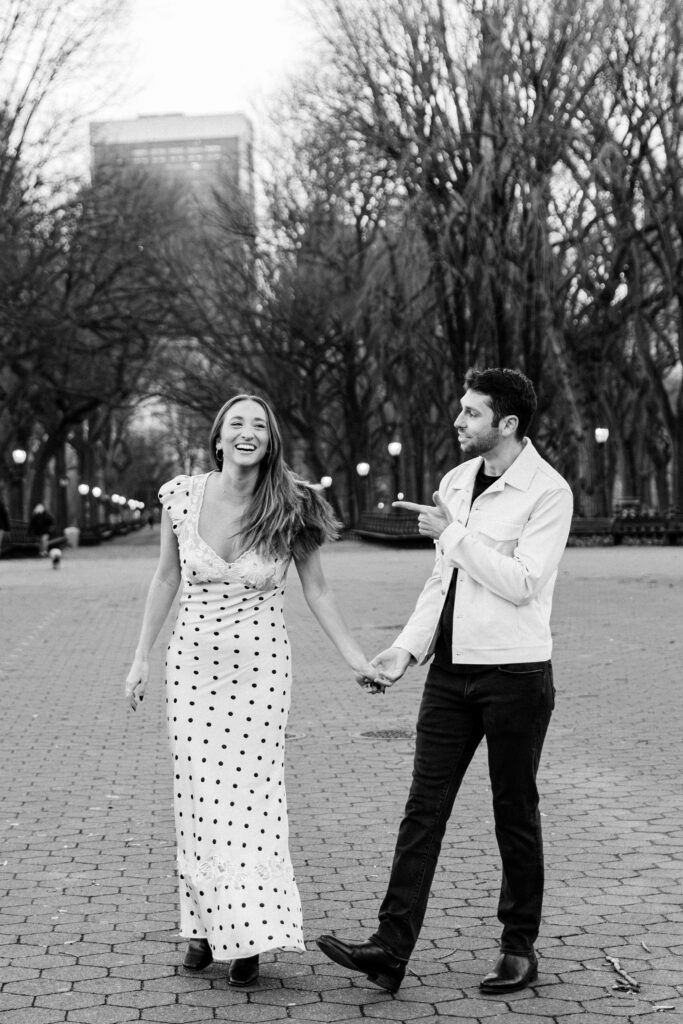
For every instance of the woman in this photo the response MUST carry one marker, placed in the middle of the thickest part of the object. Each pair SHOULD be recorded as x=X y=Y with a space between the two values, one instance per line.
x=229 y=535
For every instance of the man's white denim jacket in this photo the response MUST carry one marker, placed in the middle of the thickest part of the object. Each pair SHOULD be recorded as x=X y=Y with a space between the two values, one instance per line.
x=506 y=549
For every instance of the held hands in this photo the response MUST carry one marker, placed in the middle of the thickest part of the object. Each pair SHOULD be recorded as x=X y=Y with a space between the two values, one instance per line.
x=433 y=519
x=136 y=682
x=369 y=679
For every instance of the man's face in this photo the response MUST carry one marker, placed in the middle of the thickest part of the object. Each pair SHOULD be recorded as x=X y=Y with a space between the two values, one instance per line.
x=476 y=433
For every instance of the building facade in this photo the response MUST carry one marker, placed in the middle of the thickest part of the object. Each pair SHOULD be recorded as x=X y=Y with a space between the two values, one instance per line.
x=199 y=150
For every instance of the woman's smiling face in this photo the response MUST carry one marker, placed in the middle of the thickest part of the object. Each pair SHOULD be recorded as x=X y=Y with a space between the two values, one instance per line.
x=244 y=434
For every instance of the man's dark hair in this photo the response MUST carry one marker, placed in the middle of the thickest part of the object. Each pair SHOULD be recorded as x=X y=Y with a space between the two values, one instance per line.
x=511 y=393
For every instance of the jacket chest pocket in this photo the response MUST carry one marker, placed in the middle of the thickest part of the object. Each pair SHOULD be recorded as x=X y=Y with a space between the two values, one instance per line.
x=501 y=534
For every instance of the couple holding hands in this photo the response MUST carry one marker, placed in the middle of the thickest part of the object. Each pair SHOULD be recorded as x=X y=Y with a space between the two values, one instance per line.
x=500 y=522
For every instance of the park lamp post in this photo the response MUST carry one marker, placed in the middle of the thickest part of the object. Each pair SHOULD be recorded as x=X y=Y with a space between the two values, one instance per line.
x=84 y=491
x=601 y=438
x=19 y=456
x=114 y=512
x=395 y=448
x=326 y=484
x=363 y=470
x=62 y=503
x=97 y=494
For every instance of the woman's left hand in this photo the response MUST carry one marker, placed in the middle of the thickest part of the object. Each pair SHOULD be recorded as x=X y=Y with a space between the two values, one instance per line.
x=369 y=678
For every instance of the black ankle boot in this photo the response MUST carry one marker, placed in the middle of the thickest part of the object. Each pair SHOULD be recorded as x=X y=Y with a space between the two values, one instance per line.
x=380 y=967
x=198 y=955
x=243 y=972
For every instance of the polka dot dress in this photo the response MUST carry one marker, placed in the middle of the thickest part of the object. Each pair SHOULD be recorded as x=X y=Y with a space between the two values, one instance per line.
x=228 y=679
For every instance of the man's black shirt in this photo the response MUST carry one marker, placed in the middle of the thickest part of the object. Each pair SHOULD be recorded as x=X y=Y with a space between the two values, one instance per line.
x=442 y=651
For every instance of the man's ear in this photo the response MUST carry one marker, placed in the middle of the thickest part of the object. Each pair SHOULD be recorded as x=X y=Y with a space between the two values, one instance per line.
x=509 y=424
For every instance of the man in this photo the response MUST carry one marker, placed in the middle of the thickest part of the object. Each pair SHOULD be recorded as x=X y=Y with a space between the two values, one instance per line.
x=40 y=526
x=500 y=523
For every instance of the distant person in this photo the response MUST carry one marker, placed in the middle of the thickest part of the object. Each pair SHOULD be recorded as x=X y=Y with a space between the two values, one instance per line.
x=4 y=522
x=40 y=526
x=500 y=523
x=227 y=538
x=150 y=519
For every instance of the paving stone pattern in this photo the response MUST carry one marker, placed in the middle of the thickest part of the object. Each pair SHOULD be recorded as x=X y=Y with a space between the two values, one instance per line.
x=88 y=920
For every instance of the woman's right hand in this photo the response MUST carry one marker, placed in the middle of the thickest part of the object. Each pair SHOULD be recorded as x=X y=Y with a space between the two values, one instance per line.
x=136 y=681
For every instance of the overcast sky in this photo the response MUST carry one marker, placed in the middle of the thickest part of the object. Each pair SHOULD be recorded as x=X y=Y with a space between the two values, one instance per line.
x=208 y=56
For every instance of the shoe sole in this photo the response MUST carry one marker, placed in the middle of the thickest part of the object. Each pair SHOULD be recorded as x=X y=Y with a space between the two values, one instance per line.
x=492 y=990
x=243 y=984
x=382 y=980
x=388 y=984
x=198 y=967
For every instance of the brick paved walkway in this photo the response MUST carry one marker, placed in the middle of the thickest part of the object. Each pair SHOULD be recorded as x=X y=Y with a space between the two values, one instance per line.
x=88 y=921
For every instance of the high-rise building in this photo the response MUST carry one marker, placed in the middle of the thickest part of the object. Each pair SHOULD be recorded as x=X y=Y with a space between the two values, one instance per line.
x=198 y=149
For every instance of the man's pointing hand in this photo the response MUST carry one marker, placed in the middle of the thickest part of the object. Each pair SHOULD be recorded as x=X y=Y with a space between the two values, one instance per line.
x=433 y=519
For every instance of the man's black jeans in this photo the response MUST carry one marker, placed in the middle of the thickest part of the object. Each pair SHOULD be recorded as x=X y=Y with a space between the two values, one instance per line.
x=511 y=706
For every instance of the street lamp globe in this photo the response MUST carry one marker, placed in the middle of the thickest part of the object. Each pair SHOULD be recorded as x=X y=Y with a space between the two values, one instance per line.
x=19 y=456
x=601 y=434
x=395 y=448
x=83 y=489
x=96 y=492
x=326 y=481
x=363 y=468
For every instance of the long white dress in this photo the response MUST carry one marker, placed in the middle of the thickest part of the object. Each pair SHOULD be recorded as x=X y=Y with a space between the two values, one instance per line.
x=228 y=681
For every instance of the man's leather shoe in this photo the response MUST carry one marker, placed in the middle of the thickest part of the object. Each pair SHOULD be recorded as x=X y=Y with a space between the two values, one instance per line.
x=380 y=967
x=243 y=972
x=198 y=955
x=510 y=973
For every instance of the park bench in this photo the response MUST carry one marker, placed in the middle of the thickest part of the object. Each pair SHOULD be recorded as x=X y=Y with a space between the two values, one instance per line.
x=392 y=525
x=89 y=536
x=399 y=525
x=17 y=541
x=668 y=529
x=586 y=526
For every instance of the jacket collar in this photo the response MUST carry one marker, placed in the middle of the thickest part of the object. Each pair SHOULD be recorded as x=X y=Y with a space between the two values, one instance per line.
x=519 y=474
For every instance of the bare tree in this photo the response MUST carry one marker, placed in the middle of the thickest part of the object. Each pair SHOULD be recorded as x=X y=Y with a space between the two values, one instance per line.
x=48 y=50
x=85 y=309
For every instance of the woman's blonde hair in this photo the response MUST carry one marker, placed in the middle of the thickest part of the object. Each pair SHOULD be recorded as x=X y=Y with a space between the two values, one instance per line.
x=286 y=515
